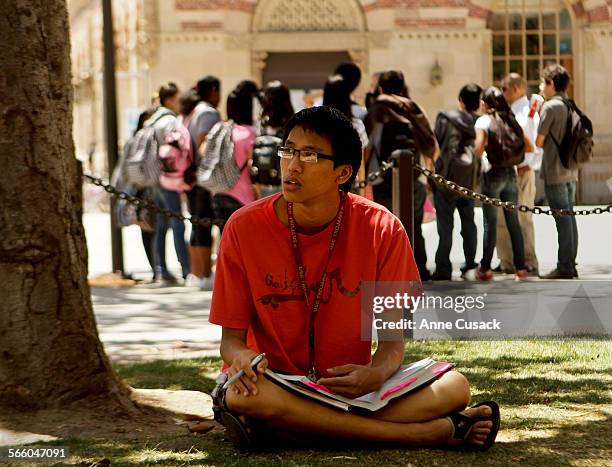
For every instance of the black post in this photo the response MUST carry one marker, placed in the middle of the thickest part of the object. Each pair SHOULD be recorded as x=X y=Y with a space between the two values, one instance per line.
x=403 y=203
x=403 y=191
x=110 y=117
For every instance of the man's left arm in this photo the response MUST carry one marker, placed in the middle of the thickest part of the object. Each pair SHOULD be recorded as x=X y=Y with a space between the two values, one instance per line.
x=357 y=380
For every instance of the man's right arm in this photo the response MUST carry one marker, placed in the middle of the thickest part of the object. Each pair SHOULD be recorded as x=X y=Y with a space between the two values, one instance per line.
x=235 y=353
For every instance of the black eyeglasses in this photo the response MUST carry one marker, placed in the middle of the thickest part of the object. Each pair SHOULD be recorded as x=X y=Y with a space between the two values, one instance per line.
x=305 y=155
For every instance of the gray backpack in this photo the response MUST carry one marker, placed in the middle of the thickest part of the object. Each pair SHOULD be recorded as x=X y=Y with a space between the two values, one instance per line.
x=217 y=171
x=576 y=147
x=141 y=163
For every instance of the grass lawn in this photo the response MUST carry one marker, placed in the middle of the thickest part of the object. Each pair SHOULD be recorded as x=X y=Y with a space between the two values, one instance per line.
x=555 y=397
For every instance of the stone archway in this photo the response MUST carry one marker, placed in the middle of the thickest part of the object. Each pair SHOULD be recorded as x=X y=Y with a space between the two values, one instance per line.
x=308 y=16
x=307 y=26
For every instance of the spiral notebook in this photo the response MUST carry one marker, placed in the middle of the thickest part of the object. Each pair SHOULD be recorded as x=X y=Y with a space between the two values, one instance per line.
x=408 y=378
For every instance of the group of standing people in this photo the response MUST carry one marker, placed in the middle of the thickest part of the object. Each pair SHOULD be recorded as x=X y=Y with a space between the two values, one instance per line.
x=502 y=149
x=494 y=141
x=196 y=110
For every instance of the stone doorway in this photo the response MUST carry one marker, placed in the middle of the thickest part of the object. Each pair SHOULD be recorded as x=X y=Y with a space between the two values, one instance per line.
x=304 y=73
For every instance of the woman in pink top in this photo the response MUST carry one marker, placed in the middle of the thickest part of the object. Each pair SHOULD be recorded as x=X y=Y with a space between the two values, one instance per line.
x=240 y=110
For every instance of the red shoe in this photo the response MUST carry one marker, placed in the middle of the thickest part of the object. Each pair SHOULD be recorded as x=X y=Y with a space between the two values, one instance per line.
x=521 y=275
x=484 y=276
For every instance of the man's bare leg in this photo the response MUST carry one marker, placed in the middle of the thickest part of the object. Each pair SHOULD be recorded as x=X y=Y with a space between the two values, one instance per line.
x=447 y=395
x=282 y=409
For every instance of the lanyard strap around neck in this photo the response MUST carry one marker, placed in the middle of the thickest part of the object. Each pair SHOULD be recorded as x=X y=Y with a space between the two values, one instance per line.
x=312 y=310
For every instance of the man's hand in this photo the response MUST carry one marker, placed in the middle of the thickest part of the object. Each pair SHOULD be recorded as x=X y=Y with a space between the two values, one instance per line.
x=353 y=380
x=246 y=384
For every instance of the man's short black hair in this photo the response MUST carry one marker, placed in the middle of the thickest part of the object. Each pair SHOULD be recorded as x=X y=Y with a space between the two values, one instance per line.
x=351 y=74
x=167 y=91
x=330 y=123
x=557 y=75
x=470 y=96
x=392 y=82
x=206 y=85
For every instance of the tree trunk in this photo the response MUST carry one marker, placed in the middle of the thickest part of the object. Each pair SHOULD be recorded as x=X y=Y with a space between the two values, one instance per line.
x=50 y=352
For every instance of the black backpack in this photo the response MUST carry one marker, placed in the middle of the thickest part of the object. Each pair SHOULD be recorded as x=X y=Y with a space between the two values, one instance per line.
x=395 y=135
x=455 y=133
x=505 y=141
x=265 y=167
x=576 y=147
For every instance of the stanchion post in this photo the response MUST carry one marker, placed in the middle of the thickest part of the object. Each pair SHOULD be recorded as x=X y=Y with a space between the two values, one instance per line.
x=403 y=202
x=110 y=117
x=403 y=190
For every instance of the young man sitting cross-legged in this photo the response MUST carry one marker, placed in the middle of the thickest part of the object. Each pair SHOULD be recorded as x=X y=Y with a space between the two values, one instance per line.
x=317 y=240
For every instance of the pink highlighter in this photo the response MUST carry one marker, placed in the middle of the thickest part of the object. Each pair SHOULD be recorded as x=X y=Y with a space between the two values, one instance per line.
x=397 y=388
x=320 y=387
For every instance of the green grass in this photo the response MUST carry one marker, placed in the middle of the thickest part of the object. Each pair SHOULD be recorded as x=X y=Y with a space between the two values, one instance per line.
x=555 y=397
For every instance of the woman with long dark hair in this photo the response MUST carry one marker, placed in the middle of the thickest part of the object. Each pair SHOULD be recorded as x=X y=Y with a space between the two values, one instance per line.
x=240 y=111
x=337 y=94
x=276 y=111
x=498 y=179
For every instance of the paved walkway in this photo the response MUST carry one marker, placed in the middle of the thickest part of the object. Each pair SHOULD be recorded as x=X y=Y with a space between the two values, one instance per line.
x=150 y=321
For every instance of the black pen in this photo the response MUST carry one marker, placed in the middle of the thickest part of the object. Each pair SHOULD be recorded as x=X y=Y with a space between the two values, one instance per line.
x=256 y=361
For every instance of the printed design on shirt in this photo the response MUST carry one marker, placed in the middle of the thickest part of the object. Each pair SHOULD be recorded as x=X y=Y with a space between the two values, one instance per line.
x=283 y=282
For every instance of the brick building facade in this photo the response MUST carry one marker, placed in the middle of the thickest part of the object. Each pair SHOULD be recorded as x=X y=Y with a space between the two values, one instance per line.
x=299 y=40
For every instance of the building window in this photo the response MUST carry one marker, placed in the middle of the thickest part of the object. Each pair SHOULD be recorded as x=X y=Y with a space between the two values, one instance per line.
x=528 y=35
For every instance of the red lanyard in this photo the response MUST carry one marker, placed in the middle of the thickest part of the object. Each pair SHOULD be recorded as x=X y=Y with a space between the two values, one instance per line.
x=312 y=373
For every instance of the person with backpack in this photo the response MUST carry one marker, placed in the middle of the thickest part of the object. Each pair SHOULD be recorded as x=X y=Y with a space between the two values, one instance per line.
x=560 y=134
x=499 y=133
x=456 y=137
x=265 y=166
x=525 y=112
x=164 y=123
x=126 y=213
x=241 y=132
x=395 y=122
x=203 y=118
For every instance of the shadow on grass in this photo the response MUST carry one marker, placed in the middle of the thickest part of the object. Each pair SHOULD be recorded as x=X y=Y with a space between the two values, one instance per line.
x=566 y=382
x=580 y=443
x=190 y=374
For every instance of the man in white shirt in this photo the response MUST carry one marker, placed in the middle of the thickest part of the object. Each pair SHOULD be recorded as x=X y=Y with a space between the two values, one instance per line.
x=514 y=87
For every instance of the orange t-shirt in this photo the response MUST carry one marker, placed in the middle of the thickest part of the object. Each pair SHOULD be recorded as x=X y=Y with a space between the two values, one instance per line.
x=257 y=285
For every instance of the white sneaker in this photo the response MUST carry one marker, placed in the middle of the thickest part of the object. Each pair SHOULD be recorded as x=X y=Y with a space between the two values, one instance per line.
x=206 y=283
x=192 y=280
x=469 y=275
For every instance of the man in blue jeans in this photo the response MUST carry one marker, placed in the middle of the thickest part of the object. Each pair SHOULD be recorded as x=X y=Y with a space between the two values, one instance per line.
x=456 y=136
x=559 y=182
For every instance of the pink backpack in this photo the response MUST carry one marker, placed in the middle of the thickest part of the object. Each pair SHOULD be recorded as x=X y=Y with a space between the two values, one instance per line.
x=176 y=155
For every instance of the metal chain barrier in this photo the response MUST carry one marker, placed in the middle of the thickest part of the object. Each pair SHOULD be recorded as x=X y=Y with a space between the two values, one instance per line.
x=467 y=193
x=150 y=205
x=386 y=166
x=360 y=184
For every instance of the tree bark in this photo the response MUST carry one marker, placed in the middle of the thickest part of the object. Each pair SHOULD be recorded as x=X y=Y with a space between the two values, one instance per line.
x=50 y=352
